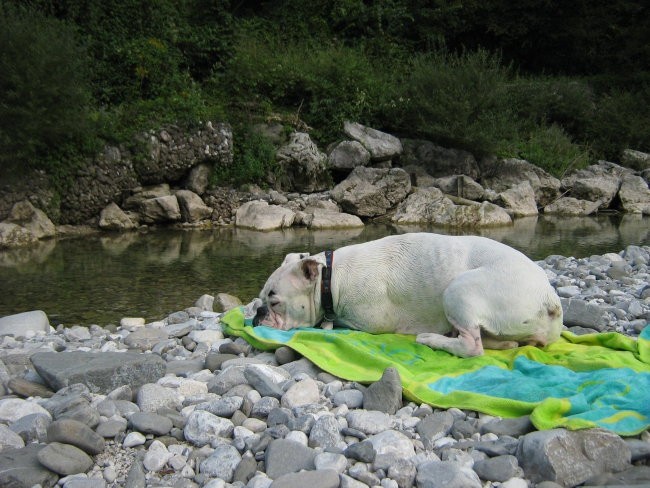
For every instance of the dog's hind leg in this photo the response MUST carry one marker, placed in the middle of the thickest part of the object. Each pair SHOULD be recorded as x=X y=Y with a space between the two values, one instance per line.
x=468 y=342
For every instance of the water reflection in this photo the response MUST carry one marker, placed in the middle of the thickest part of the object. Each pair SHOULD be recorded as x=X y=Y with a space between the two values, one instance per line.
x=99 y=279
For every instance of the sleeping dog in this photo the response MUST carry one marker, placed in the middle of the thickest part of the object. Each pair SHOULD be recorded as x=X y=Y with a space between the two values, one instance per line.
x=458 y=294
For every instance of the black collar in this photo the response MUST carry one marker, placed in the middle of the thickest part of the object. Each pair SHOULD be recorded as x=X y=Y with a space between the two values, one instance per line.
x=326 y=299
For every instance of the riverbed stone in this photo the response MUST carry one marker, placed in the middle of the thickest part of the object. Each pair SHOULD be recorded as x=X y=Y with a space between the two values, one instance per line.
x=64 y=459
x=499 y=468
x=571 y=457
x=151 y=397
x=68 y=431
x=317 y=219
x=101 y=372
x=9 y=439
x=519 y=200
x=150 y=423
x=160 y=210
x=635 y=195
x=202 y=427
x=13 y=409
x=20 y=324
x=577 y=312
x=392 y=442
x=325 y=433
x=446 y=474
x=21 y=468
x=434 y=426
x=145 y=338
x=32 y=427
x=325 y=478
x=368 y=421
x=285 y=456
x=222 y=463
x=302 y=393
x=384 y=395
x=571 y=207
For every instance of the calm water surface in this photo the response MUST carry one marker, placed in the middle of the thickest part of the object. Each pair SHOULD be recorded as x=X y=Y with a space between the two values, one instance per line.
x=100 y=279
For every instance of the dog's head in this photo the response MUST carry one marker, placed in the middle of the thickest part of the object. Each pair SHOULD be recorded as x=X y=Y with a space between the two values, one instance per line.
x=289 y=294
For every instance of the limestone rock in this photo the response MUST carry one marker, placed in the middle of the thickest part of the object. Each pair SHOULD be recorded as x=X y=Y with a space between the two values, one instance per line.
x=101 y=372
x=636 y=160
x=460 y=186
x=286 y=456
x=571 y=457
x=519 y=200
x=380 y=145
x=20 y=324
x=192 y=207
x=499 y=175
x=259 y=215
x=347 y=155
x=21 y=468
x=429 y=205
x=31 y=218
x=303 y=164
x=446 y=474
x=596 y=183
x=438 y=161
x=571 y=206
x=160 y=209
x=198 y=178
x=635 y=195
x=141 y=193
x=113 y=217
x=327 y=219
x=64 y=459
x=172 y=152
x=13 y=235
x=369 y=192
x=384 y=395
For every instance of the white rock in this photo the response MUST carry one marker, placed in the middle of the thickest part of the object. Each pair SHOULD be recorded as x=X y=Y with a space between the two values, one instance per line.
x=134 y=439
x=302 y=393
x=392 y=442
x=131 y=323
x=206 y=336
x=368 y=421
x=18 y=325
x=330 y=460
x=156 y=457
x=298 y=436
x=12 y=409
x=9 y=439
x=202 y=427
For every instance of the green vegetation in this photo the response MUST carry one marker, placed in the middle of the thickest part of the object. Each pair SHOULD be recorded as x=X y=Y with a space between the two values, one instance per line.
x=558 y=83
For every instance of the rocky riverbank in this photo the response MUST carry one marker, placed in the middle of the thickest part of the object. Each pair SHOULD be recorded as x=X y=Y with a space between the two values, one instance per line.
x=367 y=176
x=176 y=403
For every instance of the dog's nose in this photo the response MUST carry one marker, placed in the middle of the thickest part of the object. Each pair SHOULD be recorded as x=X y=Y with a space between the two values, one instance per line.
x=262 y=312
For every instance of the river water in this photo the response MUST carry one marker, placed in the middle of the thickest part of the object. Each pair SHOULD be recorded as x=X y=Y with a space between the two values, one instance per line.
x=102 y=278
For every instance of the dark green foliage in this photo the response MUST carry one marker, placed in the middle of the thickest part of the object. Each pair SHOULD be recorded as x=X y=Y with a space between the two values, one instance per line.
x=558 y=83
x=44 y=92
x=254 y=159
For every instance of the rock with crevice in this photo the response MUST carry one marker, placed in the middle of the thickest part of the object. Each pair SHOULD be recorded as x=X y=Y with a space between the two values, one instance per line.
x=259 y=215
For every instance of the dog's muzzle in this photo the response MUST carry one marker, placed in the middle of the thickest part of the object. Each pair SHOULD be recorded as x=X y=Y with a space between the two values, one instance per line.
x=260 y=315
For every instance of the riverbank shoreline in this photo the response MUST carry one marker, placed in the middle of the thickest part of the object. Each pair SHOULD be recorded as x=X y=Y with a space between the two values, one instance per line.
x=188 y=411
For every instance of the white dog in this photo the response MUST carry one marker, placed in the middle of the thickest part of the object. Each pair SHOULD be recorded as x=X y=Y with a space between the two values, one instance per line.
x=458 y=294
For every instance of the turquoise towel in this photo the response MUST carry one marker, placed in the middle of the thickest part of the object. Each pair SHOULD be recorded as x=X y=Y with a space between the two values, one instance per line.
x=595 y=380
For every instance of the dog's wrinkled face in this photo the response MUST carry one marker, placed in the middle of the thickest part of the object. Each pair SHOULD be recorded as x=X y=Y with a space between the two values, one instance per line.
x=289 y=294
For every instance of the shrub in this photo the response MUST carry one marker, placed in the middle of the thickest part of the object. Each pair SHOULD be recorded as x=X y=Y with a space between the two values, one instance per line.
x=548 y=147
x=254 y=159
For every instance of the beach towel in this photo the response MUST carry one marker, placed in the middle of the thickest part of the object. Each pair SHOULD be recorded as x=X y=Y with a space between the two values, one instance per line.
x=593 y=380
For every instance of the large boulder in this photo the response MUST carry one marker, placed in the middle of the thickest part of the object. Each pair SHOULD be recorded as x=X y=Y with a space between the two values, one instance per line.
x=198 y=178
x=139 y=194
x=570 y=458
x=347 y=155
x=13 y=235
x=192 y=207
x=101 y=372
x=113 y=217
x=519 y=200
x=20 y=324
x=635 y=195
x=31 y=218
x=439 y=161
x=161 y=209
x=460 y=186
x=259 y=215
x=571 y=206
x=172 y=152
x=596 y=183
x=381 y=146
x=369 y=192
x=319 y=218
x=303 y=166
x=429 y=205
x=636 y=160
x=502 y=174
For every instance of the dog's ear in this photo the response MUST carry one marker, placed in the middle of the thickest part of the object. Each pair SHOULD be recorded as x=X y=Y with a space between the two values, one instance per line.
x=294 y=257
x=311 y=267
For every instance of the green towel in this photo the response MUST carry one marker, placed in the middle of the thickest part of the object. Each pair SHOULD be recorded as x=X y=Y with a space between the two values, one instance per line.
x=595 y=380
